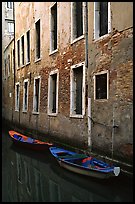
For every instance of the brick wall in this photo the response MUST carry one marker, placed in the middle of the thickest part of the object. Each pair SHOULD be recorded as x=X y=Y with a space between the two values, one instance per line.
x=115 y=54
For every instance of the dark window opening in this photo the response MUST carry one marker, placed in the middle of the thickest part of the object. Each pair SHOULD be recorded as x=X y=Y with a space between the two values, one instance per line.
x=36 y=95
x=18 y=52
x=28 y=46
x=22 y=50
x=10 y=5
x=54 y=92
x=103 y=18
x=17 y=97
x=54 y=27
x=79 y=19
x=38 y=39
x=78 y=79
x=101 y=86
x=25 y=95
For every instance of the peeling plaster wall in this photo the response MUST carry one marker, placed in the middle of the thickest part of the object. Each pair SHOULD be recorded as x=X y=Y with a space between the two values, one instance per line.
x=115 y=54
x=62 y=127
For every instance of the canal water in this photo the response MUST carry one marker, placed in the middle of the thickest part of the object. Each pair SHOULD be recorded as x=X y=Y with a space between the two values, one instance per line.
x=29 y=176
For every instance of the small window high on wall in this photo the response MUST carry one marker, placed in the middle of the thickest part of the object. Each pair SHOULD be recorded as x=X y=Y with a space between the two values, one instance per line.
x=18 y=52
x=101 y=86
x=10 y=27
x=37 y=25
x=54 y=27
x=28 y=46
x=10 y=5
x=22 y=49
x=102 y=19
x=36 y=97
x=77 y=19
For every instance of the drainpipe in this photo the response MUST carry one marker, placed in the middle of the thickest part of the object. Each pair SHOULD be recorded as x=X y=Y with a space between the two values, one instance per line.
x=86 y=65
x=86 y=34
x=14 y=40
x=13 y=95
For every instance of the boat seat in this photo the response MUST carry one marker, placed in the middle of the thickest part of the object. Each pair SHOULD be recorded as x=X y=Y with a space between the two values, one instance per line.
x=17 y=137
x=30 y=140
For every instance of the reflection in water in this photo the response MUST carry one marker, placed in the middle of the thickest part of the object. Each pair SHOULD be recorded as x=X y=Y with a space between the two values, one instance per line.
x=29 y=176
x=54 y=191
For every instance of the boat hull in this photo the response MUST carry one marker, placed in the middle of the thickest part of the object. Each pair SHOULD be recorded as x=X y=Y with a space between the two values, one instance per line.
x=83 y=164
x=37 y=145
x=91 y=173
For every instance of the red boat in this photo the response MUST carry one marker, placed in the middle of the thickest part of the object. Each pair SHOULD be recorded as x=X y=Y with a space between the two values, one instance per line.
x=28 y=142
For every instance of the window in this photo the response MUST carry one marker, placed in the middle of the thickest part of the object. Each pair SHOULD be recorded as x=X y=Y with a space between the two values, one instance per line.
x=10 y=27
x=25 y=95
x=77 y=91
x=101 y=86
x=17 y=92
x=22 y=49
x=53 y=93
x=28 y=46
x=37 y=39
x=10 y=5
x=77 y=19
x=101 y=19
x=36 y=94
x=18 y=52
x=54 y=27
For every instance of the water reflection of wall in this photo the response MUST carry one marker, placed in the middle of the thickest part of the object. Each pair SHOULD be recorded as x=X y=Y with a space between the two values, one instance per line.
x=35 y=180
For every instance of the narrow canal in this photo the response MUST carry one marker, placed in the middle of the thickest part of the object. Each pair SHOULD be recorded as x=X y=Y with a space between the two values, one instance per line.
x=29 y=176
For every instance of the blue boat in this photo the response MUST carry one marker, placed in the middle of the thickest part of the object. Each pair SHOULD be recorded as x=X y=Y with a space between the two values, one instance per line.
x=83 y=164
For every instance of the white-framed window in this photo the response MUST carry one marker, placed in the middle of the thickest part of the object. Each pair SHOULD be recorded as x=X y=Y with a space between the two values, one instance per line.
x=28 y=46
x=102 y=19
x=37 y=35
x=36 y=94
x=53 y=92
x=17 y=96
x=53 y=28
x=18 y=53
x=25 y=95
x=77 y=20
x=10 y=27
x=10 y=5
x=22 y=50
x=101 y=85
x=77 y=90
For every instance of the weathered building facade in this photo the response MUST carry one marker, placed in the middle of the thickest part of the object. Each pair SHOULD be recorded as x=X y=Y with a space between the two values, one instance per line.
x=73 y=76
x=7 y=59
x=110 y=78
x=56 y=60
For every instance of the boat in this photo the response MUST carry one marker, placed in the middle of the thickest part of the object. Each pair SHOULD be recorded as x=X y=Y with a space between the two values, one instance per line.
x=28 y=142
x=83 y=164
